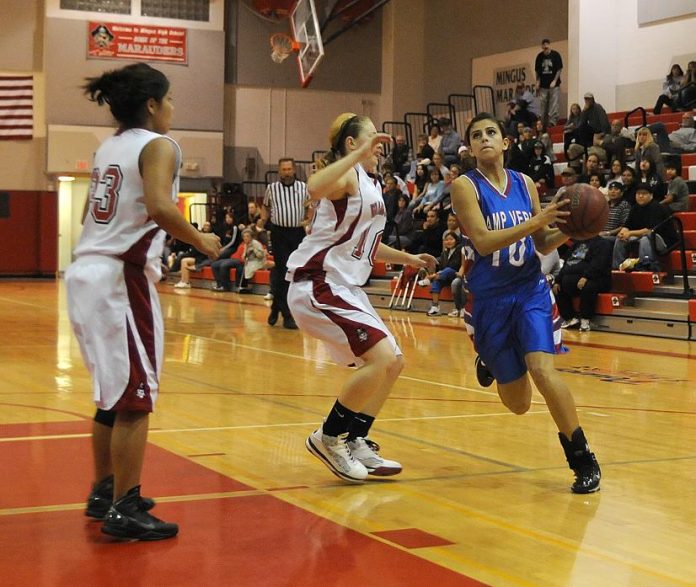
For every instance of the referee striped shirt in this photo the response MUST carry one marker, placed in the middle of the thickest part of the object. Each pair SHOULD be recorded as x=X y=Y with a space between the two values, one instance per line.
x=287 y=203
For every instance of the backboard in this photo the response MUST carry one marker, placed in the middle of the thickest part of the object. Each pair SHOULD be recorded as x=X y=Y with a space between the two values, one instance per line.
x=306 y=31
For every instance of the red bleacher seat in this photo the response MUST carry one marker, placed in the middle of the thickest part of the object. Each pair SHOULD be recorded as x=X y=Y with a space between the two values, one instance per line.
x=379 y=269
x=423 y=293
x=606 y=303
x=635 y=281
x=690 y=239
x=687 y=160
x=688 y=220
x=262 y=277
x=673 y=262
x=692 y=202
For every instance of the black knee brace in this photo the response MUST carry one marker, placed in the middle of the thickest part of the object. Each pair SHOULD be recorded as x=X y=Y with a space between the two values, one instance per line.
x=106 y=418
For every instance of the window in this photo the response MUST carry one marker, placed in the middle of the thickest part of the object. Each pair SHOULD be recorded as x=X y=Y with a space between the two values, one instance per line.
x=180 y=9
x=107 y=6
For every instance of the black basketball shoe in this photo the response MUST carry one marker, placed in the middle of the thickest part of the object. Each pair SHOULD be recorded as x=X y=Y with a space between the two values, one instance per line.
x=582 y=462
x=127 y=519
x=484 y=376
x=101 y=496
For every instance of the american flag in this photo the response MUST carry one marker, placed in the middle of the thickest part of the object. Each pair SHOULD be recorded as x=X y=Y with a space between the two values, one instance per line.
x=16 y=107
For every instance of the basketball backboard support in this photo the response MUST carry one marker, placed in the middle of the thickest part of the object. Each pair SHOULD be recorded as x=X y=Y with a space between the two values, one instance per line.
x=306 y=32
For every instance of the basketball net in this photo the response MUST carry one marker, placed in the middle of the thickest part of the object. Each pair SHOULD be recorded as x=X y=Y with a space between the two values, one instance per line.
x=281 y=47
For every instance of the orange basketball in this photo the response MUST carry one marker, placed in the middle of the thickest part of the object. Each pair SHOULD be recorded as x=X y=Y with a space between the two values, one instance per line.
x=589 y=211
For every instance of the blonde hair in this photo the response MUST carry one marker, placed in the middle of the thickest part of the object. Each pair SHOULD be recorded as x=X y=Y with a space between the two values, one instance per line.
x=650 y=140
x=344 y=125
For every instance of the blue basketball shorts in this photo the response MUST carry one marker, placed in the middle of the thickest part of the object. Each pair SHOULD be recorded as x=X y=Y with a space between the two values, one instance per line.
x=509 y=326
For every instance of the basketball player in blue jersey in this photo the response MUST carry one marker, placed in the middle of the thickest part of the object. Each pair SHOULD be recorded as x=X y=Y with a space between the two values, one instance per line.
x=500 y=212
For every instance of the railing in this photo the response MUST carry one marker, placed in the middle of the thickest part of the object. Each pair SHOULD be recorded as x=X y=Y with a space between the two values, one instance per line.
x=632 y=112
x=254 y=190
x=440 y=109
x=687 y=292
x=200 y=212
x=419 y=122
x=464 y=106
x=484 y=99
x=394 y=128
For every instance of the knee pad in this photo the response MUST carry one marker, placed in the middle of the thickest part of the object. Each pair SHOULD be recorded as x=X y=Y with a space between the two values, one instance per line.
x=107 y=418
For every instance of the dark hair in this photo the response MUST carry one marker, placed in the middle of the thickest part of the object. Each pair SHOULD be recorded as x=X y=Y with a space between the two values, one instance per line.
x=285 y=160
x=127 y=91
x=545 y=41
x=484 y=116
x=681 y=71
x=453 y=234
x=432 y=170
x=630 y=170
x=598 y=175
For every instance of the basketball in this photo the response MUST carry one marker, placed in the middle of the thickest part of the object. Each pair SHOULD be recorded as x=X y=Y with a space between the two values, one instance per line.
x=589 y=211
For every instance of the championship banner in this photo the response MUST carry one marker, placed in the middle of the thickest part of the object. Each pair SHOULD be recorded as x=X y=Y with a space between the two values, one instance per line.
x=127 y=41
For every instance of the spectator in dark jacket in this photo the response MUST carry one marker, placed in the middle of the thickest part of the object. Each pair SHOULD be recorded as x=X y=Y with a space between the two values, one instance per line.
x=586 y=272
x=641 y=221
x=593 y=119
x=429 y=240
x=402 y=236
x=541 y=169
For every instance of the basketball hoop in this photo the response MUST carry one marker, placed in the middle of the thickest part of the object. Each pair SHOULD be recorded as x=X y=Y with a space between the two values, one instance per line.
x=281 y=47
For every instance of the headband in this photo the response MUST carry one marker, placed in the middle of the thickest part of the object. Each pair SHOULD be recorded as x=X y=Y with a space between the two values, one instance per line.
x=342 y=135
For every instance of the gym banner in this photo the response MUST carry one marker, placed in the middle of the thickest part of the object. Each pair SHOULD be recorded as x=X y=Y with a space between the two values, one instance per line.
x=127 y=41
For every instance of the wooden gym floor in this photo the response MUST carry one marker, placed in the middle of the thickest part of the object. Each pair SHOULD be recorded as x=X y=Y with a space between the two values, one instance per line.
x=483 y=498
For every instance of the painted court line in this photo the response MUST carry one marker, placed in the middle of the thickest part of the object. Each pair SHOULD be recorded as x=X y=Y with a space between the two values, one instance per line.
x=258 y=426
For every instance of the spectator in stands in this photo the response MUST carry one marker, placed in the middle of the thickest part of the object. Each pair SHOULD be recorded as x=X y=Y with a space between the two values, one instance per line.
x=677 y=198
x=646 y=148
x=526 y=105
x=670 y=88
x=423 y=148
x=260 y=233
x=247 y=259
x=450 y=143
x=195 y=262
x=593 y=119
x=402 y=237
x=541 y=169
x=598 y=149
x=647 y=174
x=434 y=137
x=399 y=156
x=516 y=158
x=547 y=67
x=445 y=203
x=452 y=226
x=596 y=180
x=615 y=170
x=571 y=126
x=420 y=179
x=586 y=273
x=684 y=139
x=449 y=265
x=568 y=177
x=630 y=184
x=252 y=215
x=432 y=194
x=439 y=164
x=540 y=134
x=618 y=141
x=429 y=240
x=687 y=94
x=641 y=221
x=387 y=170
x=618 y=212
x=390 y=194
x=466 y=161
x=591 y=166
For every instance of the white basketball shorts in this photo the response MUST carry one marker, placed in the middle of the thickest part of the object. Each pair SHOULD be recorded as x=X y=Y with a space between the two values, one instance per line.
x=340 y=316
x=115 y=314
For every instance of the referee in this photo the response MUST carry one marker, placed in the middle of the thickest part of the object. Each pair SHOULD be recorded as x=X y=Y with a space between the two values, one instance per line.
x=285 y=205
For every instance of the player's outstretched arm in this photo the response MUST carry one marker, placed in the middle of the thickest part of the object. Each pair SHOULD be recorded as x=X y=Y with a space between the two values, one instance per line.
x=487 y=241
x=158 y=167
x=337 y=180
x=547 y=239
x=388 y=255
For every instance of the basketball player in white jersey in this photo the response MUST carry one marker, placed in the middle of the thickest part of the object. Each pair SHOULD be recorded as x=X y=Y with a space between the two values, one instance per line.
x=112 y=301
x=326 y=299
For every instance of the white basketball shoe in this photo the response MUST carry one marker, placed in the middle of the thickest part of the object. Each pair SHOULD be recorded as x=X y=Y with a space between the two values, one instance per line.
x=367 y=453
x=333 y=451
